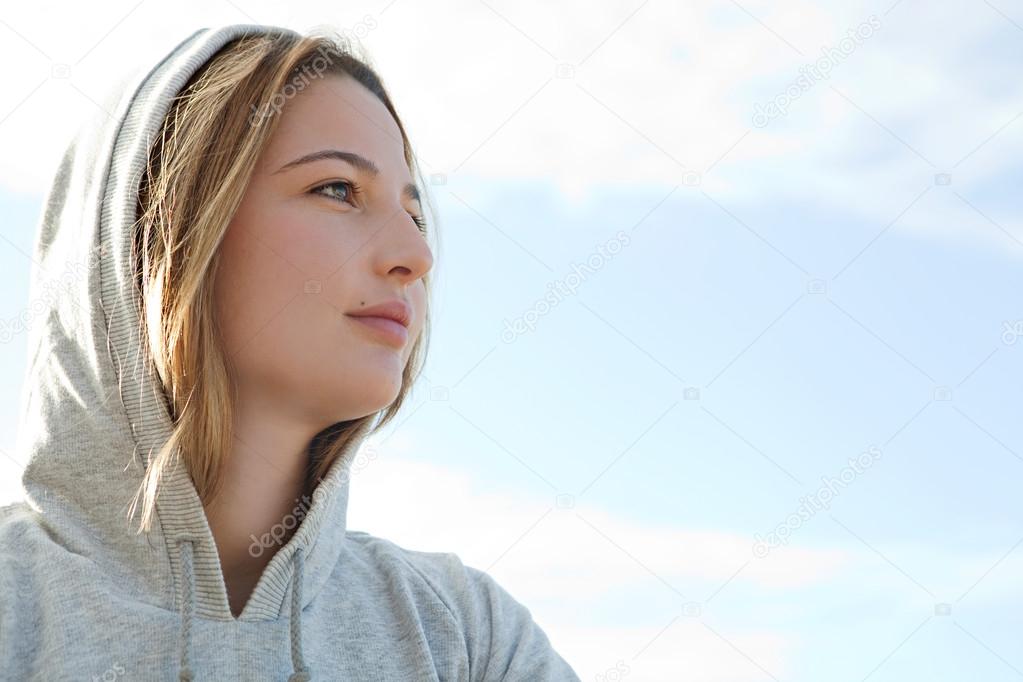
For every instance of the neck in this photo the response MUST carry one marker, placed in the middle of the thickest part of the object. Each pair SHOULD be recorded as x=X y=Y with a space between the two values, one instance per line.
x=261 y=501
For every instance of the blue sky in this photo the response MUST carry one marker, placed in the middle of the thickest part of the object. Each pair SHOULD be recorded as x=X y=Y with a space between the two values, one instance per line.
x=785 y=297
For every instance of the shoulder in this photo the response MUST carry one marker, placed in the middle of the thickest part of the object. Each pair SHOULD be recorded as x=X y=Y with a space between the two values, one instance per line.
x=29 y=555
x=502 y=639
x=23 y=544
x=19 y=530
x=20 y=623
x=11 y=514
x=22 y=540
x=442 y=572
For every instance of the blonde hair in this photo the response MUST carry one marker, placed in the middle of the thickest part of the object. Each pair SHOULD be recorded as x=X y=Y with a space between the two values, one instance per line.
x=199 y=166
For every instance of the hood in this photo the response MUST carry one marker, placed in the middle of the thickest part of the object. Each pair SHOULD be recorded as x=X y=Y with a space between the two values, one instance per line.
x=92 y=412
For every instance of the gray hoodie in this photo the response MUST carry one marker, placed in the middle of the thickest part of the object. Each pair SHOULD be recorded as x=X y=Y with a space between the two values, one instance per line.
x=83 y=597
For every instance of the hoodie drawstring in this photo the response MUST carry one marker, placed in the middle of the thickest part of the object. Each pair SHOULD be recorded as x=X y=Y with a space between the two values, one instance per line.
x=187 y=605
x=299 y=672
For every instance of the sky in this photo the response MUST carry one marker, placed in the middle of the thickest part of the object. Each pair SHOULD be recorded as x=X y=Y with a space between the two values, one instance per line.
x=726 y=366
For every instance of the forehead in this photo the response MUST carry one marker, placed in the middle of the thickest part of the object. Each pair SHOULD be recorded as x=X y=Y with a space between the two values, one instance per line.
x=335 y=112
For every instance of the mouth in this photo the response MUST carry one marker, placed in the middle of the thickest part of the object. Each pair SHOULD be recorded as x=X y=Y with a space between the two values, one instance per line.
x=383 y=328
x=389 y=321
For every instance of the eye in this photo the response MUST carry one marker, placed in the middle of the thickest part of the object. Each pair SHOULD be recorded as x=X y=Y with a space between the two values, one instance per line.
x=353 y=190
x=420 y=223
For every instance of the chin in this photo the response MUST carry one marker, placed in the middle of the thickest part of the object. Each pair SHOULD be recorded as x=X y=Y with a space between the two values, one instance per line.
x=384 y=399
x=378 y=387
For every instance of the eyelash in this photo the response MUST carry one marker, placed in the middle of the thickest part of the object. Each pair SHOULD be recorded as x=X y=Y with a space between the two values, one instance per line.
x=354 y=190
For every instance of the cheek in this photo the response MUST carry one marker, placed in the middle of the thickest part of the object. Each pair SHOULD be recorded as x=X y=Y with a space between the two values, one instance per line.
x=307 y=240
x=272 y=253
x=252 y=283
x=417 y=297
x=277 y=288
x=256 y=278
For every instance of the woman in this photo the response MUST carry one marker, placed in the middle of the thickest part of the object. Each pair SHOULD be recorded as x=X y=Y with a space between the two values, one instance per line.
x=247 y=302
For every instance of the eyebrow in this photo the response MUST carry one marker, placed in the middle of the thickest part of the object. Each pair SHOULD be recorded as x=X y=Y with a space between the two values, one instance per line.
x=409 y=191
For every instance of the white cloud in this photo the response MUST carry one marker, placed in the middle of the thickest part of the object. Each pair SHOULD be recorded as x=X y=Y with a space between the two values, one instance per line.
x=676 y=80
x=670 y=90
x=10 y=480
x=678 y=649
x=575 y=553
x=566 y=562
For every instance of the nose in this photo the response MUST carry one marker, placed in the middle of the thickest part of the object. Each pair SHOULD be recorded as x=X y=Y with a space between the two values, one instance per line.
x=402 y=249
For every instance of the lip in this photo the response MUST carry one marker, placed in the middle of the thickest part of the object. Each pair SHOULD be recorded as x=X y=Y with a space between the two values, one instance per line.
x=389 y=320
x=393 y=332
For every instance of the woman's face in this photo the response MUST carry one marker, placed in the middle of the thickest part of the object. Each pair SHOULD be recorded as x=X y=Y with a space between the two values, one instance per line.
x=299 y=256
